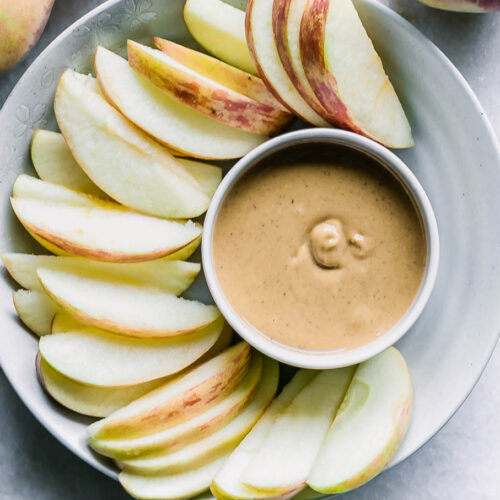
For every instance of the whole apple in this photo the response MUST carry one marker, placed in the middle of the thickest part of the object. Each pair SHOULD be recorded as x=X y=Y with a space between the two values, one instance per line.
x=477 y=6
x=21 y=24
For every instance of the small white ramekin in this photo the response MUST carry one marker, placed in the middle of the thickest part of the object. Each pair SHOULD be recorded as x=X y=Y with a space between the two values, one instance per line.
x=387 y=160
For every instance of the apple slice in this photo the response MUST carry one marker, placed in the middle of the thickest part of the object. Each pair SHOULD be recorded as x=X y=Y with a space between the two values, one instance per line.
x=123 y=161
x=179 y=400
x=287 y=17
x=369 y=426
x=99 y=232
x=54 y=163
x=191 y=430
x=88 y=400
x=219 y=443
x=347 y=75
x=35 y=309
x=262 y=45
x=203 y=94
x=227 y=483
x=220 y=29
x=219 y=71
x=288 y=454
x=63 y=322
x=170 y=122
x=137 y=311
x=170 y=276
x=184 y=485
x=102 y=359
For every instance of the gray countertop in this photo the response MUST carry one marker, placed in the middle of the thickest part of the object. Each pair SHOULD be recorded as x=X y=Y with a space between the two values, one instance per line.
x=461 y=462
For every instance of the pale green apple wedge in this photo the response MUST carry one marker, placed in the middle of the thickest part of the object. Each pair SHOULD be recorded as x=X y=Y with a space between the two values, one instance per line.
x=183 y=398
x=369 y=426
x=293 y=442
x=170 y=276
x=183 y=485
x=220 y=442
x=120 y=158
x=131 y=310
x=94 y=357
x=227 y=484
x=220 y=29
x=191 y=430
x=171 y=123
x=35 y=309
x=85 y=399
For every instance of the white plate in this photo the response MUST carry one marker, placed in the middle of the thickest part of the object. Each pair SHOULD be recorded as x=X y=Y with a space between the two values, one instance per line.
x=456 y=159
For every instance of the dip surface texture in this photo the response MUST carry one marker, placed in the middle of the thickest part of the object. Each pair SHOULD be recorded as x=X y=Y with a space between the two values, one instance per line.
x=319 y=255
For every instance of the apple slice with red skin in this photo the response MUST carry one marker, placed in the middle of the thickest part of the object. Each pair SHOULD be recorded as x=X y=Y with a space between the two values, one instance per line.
x=203 y=94
x=347 y=76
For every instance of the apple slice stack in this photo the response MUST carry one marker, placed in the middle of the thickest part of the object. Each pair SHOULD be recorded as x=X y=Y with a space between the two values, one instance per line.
x=171 y=442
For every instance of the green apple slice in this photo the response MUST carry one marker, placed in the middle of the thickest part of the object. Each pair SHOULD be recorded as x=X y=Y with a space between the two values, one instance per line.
x=184 y=485
x=170 y=276
x=191 y=430
x=369 y=426
x=227 y=483
x=35 y=309
x=181 y=399
x=292 y=444
x=219 y=443
x=136 y=311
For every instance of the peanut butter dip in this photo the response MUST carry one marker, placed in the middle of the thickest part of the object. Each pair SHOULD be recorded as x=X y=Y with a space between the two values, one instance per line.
x=320 y=255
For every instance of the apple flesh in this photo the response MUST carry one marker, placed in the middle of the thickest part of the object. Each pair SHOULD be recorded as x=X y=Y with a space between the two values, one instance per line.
x=369 y=426
x=191 y=430
x=220 y=442
x=21 y=24
x=227 y=483
x=35 y=309
x=262 y=45
x=120 y=158
x=203 y=94
x=171 y=123
x=474 y=6
x=220 y=29
x=181 y=399
x=85 y=399
x=179 y=486
x=131 y=310
x=170 y=276
x=347 y=75
x=288 y=454
x=219 y=71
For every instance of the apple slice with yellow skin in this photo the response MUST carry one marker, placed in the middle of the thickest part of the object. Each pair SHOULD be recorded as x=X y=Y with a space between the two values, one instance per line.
x=170 y=122
x=183 y=398
x=220 y=29
x=94 y=357
x=106 y=232
x=219 y=71
x=120 y=158
x=170 y=276
x=287 y=17
x=220 y=442
x=35 y=309
x=288 y=445
x=54 y=163
x=227 y=483
x=191 y=430
x=183 y=485
x=132 y=310
x=347 y=76
x=203 y=94
x=262 y=45
x=85 y=399
x=369 y=426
